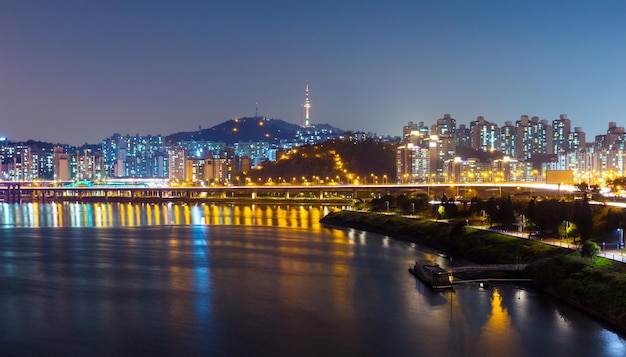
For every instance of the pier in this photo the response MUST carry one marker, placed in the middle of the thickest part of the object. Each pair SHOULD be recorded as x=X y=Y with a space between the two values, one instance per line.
x=487 y=267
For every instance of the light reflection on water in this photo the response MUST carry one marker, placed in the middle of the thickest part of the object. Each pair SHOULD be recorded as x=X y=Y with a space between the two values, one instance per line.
x=36 y=215
x=252 y=279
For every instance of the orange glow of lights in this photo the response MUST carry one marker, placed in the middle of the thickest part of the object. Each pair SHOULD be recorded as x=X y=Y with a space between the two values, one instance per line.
x=122 y=216
x=149 y=215
x=130 y=215
x=499 y=320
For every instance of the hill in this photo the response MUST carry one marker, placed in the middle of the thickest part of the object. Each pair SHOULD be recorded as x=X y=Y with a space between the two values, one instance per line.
x=339 y=161
x=249 y=129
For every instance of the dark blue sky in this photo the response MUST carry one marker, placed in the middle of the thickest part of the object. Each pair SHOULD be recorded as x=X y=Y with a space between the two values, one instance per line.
x=79 y=71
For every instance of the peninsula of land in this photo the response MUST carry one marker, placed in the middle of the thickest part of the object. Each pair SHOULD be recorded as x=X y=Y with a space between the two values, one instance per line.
x=596 y=285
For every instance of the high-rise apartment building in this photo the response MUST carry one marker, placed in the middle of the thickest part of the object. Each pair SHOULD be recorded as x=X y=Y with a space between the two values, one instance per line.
x=561 y=129
x=177 y=166
x=409 y=130
x=415 y=134
x=508 y=139
x=485 y=135
x=614 y=134
x=134 y=156
x=413 y=163
x=61 y=165
x=87 y=165
x=405 y=159
x=444 y=126
x=464 y=137
x=576 y=140
x=534 y=136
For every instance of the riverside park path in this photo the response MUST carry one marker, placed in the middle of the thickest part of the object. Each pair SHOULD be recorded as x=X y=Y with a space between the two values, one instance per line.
x=609 y=251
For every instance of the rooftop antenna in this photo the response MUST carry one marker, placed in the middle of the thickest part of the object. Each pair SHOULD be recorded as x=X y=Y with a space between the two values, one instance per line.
x=256 y=110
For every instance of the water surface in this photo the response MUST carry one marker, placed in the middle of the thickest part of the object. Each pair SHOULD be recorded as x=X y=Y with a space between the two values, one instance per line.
x=254 y=280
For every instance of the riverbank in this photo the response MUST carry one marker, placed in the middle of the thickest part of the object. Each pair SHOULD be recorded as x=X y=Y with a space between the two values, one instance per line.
x=596 y=286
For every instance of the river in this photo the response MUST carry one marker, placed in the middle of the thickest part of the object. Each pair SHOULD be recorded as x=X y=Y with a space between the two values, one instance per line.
x=256 y=280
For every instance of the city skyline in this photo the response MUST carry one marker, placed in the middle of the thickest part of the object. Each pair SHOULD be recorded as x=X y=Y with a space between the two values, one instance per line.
x=75 y=72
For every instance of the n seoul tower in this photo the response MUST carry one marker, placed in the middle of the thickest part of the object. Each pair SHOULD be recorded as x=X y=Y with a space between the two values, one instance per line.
x=307 y=106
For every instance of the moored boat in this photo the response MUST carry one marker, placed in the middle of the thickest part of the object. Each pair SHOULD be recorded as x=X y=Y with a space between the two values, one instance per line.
x=432 y=274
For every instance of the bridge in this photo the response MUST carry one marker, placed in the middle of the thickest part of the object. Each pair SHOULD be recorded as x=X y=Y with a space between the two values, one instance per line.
x=11 y=191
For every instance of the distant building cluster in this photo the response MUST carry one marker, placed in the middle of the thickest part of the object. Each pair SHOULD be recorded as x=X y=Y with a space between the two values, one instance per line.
x=196 y=162
x=529 y=148
x=143 y=157
x=523 y=151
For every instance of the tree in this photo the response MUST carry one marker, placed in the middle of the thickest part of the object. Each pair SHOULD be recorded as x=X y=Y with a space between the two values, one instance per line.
x=457 y=239
x=492 y=211
x=507 y=213
x=413 y=205
x=531 y=213
x=590 y=250
x=583 y=219
x=450 y=210
x=549 y=215
x=385 y=203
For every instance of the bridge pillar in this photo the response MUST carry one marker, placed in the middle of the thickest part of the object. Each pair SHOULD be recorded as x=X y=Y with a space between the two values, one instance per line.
x=254 y=195
x=287 y=196
x=14 y=193
x=222 y=194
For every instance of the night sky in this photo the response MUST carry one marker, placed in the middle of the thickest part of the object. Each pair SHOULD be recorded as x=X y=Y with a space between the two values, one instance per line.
x=79 y=71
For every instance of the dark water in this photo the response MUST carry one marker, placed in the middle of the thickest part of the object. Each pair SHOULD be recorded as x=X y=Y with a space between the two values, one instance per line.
x=259 y=280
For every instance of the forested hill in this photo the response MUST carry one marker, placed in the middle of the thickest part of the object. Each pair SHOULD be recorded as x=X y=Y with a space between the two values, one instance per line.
x=247 y=129
x=333 y=161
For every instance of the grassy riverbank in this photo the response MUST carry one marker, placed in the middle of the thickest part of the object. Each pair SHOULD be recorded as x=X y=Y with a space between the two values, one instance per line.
x=596 y=286
x=454 y=239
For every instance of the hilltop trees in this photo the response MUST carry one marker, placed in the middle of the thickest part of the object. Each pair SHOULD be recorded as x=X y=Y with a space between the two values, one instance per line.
x=339 y=161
